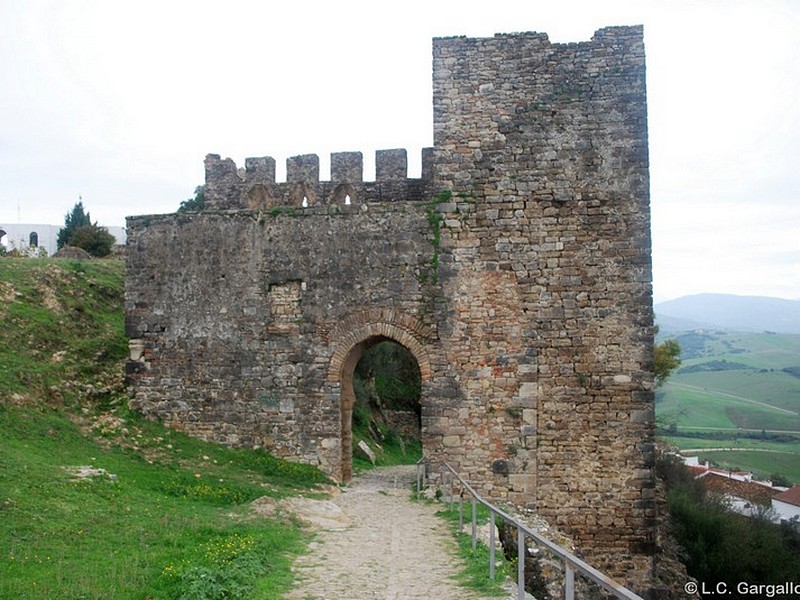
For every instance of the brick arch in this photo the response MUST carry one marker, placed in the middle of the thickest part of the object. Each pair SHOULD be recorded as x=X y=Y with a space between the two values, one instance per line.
x=354 y=335
x=351 y=339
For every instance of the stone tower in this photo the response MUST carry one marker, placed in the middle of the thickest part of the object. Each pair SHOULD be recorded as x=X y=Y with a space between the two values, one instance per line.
x=516 y=270
x=546 y=273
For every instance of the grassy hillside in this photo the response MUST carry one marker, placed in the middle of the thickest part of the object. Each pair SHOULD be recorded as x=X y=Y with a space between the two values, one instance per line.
x=159 y=515
x=62 y=327
x=736 y=391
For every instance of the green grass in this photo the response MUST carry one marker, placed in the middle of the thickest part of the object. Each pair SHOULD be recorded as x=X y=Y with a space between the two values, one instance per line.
x=748 y=392
x=734 y=442
x=707 y=408
x=172 y=503
x=66 y=321
x=758 y=350
x=776 y=388
x=169 y=516
x=762 y=457
x=386 y=378
x=391 y=451
x=474 y=573
x=693 y=407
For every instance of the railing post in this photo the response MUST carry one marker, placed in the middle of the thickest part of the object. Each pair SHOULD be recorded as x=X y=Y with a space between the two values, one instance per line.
x=571 y=562
x=461 y=511
x=444 y=483
x=474 y=523
x=520 y=563
x=450 y=488
x=569 y=581
x=491 y=544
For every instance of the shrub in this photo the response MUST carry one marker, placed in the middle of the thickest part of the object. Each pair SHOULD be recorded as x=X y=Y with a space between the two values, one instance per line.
x=720 y=545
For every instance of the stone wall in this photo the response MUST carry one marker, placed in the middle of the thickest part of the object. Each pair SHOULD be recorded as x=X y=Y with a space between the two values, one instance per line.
x=516 y=271
x=236 y=317
x=405 y=423
x=545 y=265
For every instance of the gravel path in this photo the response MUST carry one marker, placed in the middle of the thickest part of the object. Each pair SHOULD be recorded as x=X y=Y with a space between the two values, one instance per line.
x=393 y=549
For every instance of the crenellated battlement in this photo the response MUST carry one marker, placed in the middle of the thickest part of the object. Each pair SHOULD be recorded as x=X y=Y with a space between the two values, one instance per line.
x=254 y=187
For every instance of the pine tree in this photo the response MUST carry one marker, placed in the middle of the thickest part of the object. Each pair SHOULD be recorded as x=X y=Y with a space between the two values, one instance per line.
x=72 y=220
x=79 y=231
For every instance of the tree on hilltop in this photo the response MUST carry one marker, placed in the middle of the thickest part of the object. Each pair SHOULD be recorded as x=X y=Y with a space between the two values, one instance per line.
x=79 y=231
x=196 y=203
x=72 y=220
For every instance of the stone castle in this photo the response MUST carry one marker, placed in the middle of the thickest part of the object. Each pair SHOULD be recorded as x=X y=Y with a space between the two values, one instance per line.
x=516 y=270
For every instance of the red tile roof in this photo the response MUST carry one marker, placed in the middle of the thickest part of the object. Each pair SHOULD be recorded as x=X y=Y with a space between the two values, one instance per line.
x=790 y=496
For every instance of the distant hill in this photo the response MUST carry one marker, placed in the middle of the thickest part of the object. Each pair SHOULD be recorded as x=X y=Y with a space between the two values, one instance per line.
x=728 y=312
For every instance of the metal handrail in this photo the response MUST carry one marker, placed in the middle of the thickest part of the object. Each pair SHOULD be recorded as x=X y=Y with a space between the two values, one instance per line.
x=571 y=562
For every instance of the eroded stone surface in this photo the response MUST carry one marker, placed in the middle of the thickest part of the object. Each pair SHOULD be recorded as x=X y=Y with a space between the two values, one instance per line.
x=524 y=293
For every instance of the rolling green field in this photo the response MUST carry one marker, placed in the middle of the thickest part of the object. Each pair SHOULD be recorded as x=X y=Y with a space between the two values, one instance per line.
x=693 y=407
x=755 y=443
x=739 y=391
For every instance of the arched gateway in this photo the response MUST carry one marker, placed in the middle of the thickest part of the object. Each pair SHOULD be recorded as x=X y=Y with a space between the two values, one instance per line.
x=351 y=340
x=516 y=270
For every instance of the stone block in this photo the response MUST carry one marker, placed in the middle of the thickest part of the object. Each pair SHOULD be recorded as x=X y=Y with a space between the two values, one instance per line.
x=451 y=441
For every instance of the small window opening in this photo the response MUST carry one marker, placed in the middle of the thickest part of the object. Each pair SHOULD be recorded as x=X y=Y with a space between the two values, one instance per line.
x=305 y=201
x=347 y=199
x=33 y=240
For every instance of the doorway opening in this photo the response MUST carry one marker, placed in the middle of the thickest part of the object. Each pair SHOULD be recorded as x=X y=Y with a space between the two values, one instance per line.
x=381 y=393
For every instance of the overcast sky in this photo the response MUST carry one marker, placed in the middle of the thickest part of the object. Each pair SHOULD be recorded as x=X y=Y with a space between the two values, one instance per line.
x=118 y=103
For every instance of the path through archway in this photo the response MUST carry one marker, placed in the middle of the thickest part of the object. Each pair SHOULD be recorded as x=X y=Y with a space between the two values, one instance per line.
x=352 y=338
x=387 y=411
x=380 y=395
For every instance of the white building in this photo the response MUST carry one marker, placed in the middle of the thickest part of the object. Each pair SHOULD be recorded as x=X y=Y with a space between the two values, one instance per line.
x=29 y=237
x=787 y=504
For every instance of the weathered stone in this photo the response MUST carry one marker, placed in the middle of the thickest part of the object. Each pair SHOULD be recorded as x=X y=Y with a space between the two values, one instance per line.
x=366 y=451
x=523 y=292
x=451 y=441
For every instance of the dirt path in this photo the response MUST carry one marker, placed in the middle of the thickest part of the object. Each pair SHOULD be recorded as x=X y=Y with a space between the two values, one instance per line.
x=393 y=549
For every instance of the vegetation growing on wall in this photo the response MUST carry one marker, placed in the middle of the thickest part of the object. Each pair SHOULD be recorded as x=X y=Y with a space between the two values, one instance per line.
x=435 y=220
